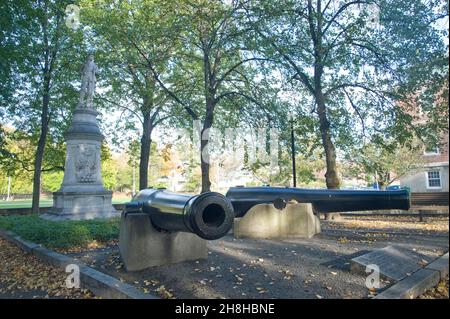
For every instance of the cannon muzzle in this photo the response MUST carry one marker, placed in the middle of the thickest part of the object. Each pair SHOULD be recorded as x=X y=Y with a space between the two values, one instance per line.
x=322 y=200
x=209 y=215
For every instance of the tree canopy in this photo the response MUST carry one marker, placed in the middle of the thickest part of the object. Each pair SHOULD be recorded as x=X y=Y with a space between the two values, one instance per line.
x=353 y=75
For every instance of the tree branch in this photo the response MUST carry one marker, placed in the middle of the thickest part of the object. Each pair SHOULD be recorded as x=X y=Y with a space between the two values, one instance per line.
x=234 y=67
x=123 y=107
x=356 y=110
x=156 y=77
x=340 y=10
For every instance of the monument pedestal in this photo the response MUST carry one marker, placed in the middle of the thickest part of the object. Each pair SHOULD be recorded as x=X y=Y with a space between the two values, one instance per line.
x=82 y=195
x=265 y=221
x=81 y=205
x=142 y=246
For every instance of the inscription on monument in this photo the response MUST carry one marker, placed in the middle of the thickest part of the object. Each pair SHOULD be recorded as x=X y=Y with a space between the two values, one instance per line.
x=86 y=163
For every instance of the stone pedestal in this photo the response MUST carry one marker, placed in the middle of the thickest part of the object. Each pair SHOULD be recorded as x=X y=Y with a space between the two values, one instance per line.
x=82 y=195
x=142 y=246
x=265 y=221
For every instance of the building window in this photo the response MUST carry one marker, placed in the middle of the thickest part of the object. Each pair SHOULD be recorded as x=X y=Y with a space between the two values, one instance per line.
x=433 y=179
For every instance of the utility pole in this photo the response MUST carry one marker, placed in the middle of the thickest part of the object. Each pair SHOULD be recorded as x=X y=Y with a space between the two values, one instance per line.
x=9 y=188
x=294 y=174
x=133 y=191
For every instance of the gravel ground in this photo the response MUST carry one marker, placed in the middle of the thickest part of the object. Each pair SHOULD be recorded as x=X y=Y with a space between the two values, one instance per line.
x=23 y=276
x=295 y=268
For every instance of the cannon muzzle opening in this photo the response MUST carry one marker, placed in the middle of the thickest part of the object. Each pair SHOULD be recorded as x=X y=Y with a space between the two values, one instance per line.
x=209 y=215
x=213 y=215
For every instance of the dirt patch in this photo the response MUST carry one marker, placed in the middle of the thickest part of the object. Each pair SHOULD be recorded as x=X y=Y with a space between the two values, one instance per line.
x=392 y=223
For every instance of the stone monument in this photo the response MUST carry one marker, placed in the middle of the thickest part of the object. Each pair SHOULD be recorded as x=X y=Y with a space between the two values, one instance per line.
x=82 y=195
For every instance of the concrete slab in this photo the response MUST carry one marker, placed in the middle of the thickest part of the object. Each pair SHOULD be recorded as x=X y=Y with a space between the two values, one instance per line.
x=395 y=262
x=441 y=265
x=413 y=286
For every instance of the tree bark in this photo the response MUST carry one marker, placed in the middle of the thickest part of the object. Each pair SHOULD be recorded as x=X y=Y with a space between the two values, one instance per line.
x=331 y=176
x=39 y=155
x=210 y=103
x=146 y=142
x=204 y=152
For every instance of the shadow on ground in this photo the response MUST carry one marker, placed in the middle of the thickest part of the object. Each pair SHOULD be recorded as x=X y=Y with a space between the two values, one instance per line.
x=251 y=268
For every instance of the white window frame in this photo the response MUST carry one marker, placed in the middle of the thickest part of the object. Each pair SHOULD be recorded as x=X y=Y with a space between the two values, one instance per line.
x=427 y=179
x=432 y=153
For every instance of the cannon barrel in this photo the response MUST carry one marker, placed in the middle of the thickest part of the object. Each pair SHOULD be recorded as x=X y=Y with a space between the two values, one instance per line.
x=209 y=215
x=322 y=200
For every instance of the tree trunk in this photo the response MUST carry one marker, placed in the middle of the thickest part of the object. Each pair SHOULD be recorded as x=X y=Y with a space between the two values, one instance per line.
x=204 y=152
x=146 y=141
x=331 y=176
x=39 y=155
x=210 y=103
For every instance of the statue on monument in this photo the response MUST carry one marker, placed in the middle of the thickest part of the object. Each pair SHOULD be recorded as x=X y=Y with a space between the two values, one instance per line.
x=88 y=83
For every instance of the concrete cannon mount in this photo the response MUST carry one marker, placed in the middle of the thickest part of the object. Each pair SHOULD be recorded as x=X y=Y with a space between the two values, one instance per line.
x=266 y=221
x=142 y=246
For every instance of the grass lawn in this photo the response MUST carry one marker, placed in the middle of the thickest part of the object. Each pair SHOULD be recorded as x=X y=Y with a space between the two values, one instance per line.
x=63 y=234
x=48 y=202
x=24 y=203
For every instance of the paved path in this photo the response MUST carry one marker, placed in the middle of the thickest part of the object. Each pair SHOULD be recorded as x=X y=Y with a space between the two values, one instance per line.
x=297 y=268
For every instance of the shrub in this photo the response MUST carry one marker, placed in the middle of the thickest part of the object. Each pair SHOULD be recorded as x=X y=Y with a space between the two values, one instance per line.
x=62 y=234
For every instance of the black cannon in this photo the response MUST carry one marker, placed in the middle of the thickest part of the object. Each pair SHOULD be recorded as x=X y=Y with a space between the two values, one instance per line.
x=322 y=200
x=209 y=215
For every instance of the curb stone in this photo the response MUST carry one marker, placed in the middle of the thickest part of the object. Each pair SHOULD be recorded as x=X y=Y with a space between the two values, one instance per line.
x=416 y=284
x=99 y=283
x=441 y=265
